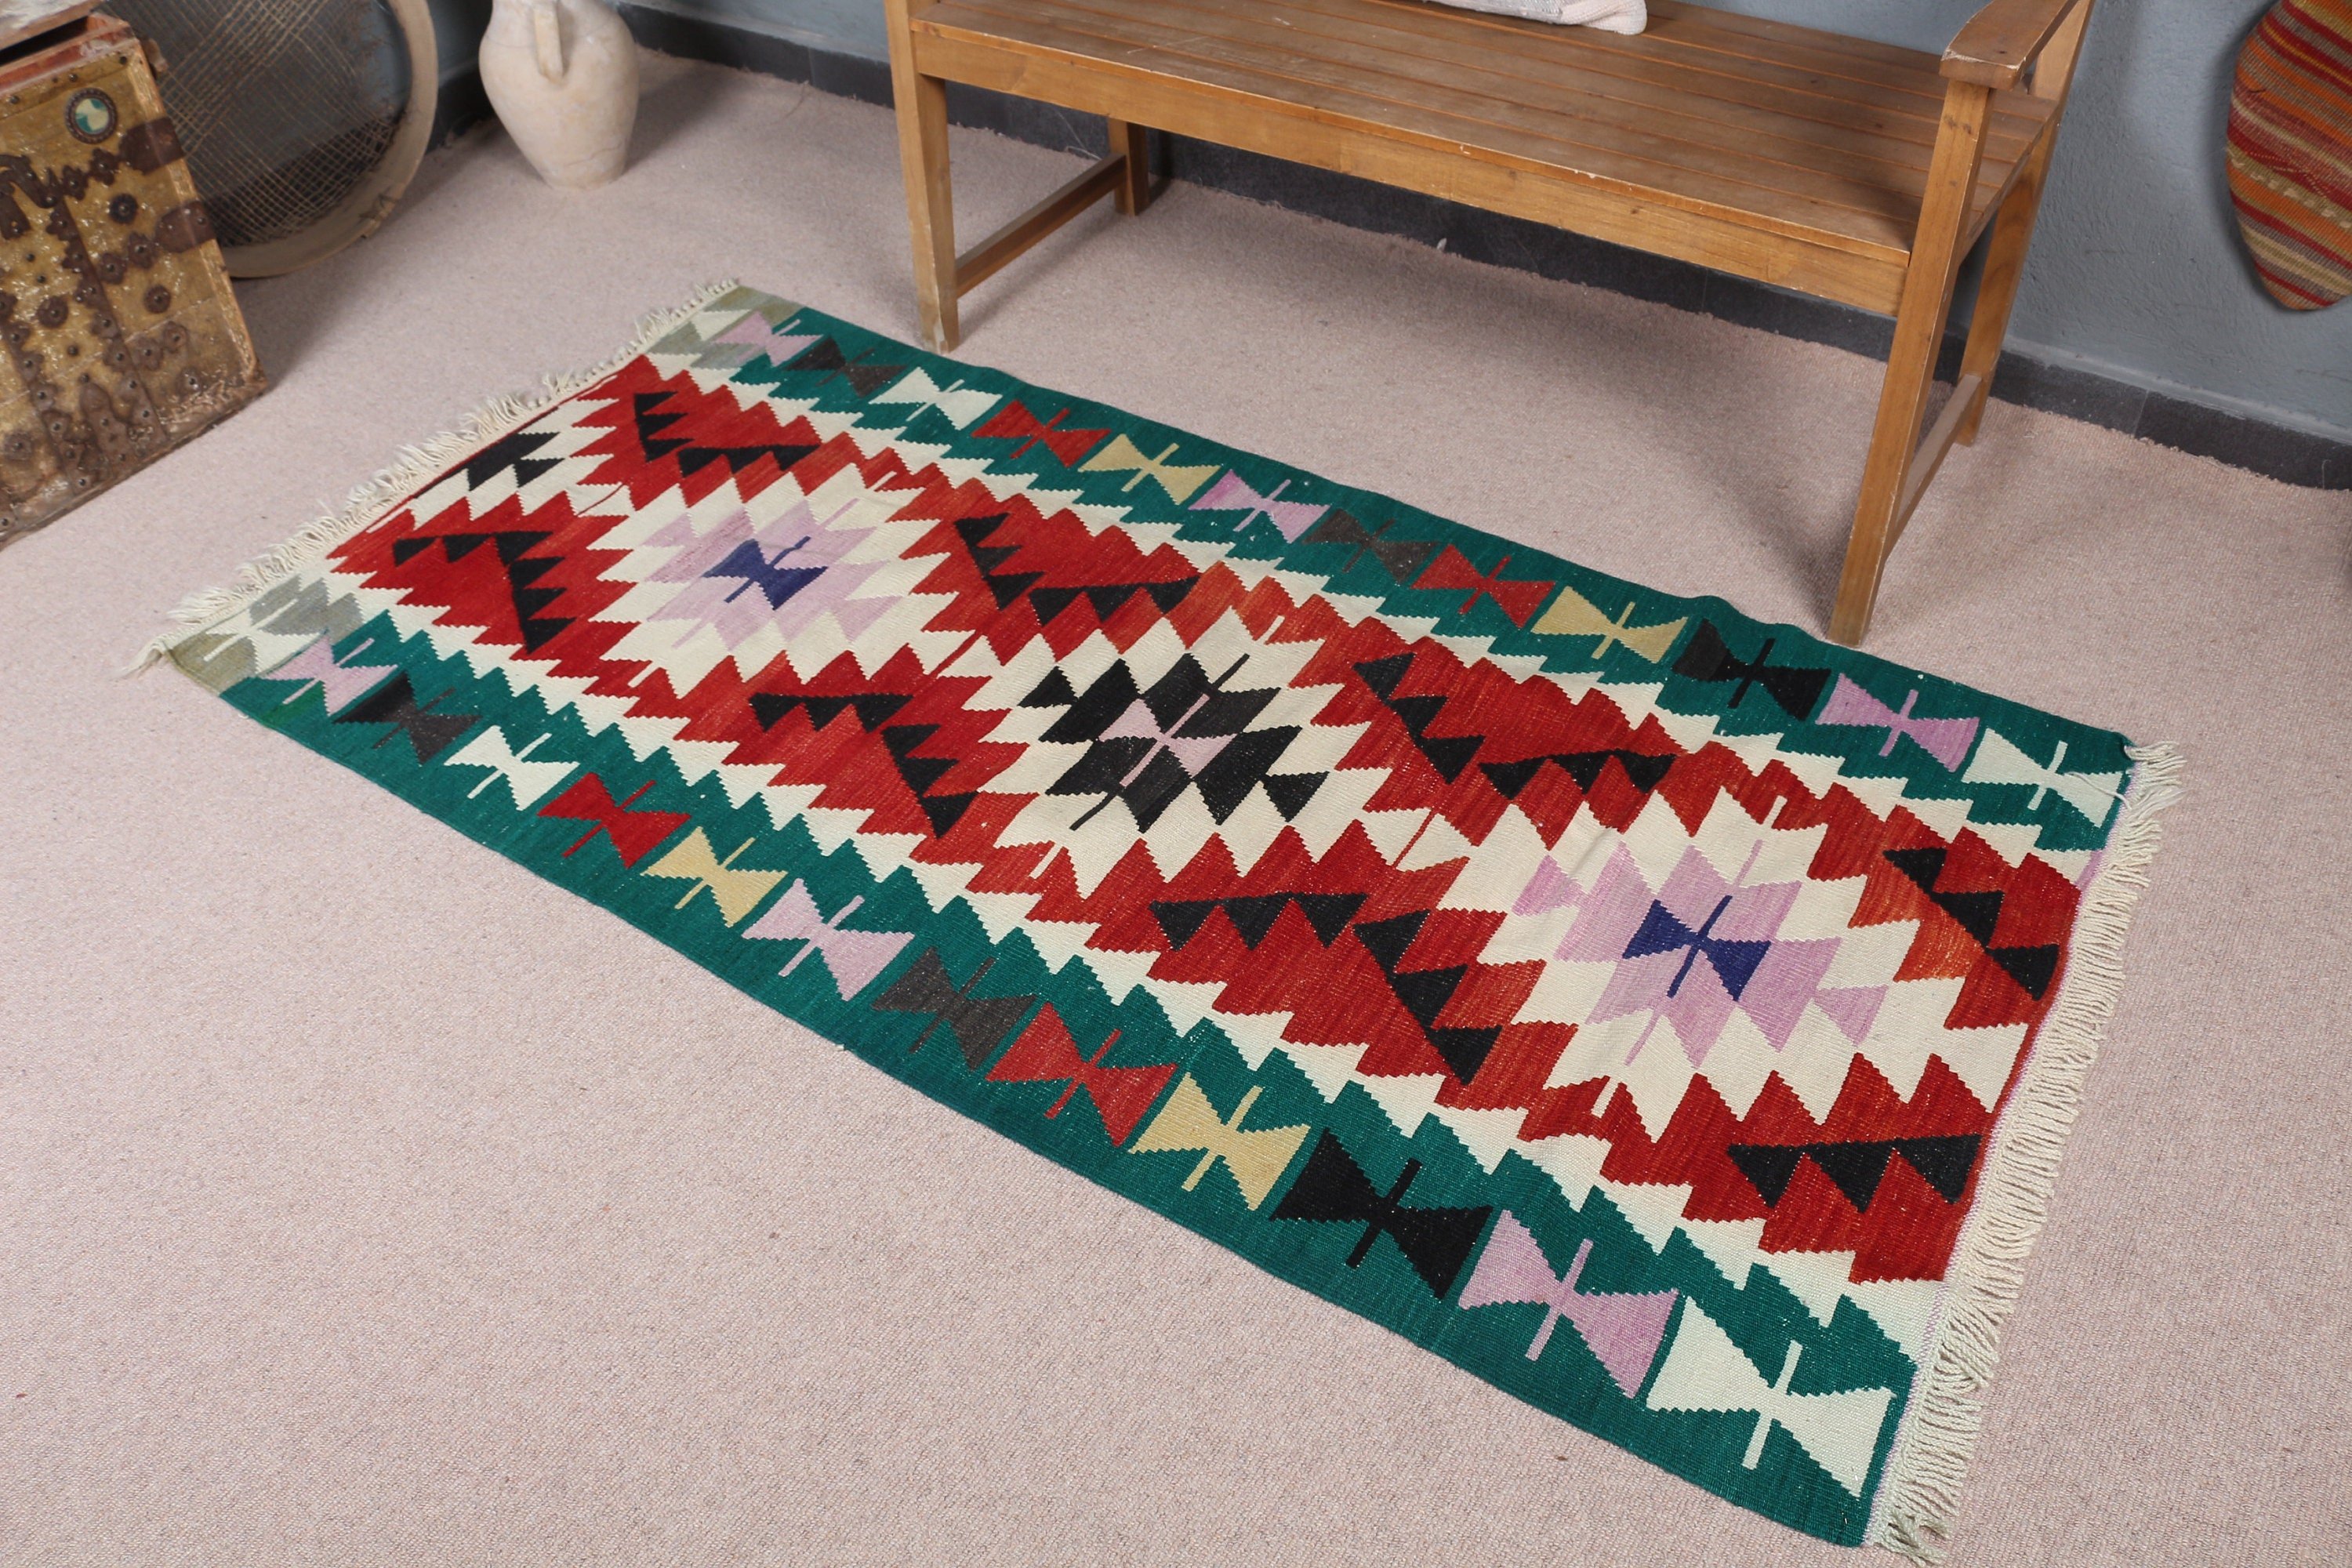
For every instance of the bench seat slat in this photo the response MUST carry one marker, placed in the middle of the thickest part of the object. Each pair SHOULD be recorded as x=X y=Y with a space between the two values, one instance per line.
x=1713 y=108
x=1588 y=133
x=1777 y=180
x=1634 y=161
x=1691 y=37
x=1866 y=275
x=1679 y=52
x=1873 y=59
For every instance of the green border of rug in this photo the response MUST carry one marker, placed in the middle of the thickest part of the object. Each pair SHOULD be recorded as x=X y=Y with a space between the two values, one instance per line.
x=1918 y=1493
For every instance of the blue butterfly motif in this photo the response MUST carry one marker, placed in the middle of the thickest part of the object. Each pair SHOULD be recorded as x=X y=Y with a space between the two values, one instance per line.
x=776 y=580
x=1663 y=930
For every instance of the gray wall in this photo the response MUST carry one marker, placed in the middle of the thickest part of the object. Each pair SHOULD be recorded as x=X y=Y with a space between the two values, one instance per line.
x=2136 y=271
x=458 y=27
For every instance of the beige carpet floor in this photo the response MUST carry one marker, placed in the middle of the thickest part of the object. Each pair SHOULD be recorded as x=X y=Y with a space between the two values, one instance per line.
x=363 y=1200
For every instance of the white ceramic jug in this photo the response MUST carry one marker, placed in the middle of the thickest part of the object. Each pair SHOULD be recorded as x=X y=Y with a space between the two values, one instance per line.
x=563 y=75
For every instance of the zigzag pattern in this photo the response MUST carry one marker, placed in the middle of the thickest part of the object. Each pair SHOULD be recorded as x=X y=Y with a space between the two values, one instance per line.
x=1318 y=853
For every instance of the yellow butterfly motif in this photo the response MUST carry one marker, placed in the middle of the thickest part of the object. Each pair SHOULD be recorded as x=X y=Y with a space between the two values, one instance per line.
x=1574 y=615
x=1255 y=1159
x=1179 y=481
x=736 y=891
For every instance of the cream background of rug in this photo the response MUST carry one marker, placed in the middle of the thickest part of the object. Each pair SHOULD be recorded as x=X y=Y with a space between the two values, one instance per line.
x=352 y=1212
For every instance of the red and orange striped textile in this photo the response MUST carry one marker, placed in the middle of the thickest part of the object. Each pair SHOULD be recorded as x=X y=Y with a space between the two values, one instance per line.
x=2290 y=151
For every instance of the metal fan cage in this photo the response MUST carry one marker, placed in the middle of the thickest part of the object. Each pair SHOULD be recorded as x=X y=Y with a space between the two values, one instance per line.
x=304 y=119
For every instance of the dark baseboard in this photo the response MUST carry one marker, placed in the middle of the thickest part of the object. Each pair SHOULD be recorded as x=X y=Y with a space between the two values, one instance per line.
x=2280 y=451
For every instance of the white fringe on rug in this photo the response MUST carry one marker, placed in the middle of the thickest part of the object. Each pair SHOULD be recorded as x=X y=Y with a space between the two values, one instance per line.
x=1920 y=1491
x=1627 y=16
x=416 y=464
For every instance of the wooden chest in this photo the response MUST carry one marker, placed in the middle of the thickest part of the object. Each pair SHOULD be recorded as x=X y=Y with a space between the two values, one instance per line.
x=121 y=336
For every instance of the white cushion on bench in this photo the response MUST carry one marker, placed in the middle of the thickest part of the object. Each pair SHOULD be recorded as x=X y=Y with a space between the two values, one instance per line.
x=1609 y=16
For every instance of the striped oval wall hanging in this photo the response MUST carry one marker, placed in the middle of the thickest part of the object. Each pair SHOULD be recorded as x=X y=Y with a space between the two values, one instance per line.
x=2290 y=151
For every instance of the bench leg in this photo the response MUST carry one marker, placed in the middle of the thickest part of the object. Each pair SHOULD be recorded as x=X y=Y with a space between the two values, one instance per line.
x=1132 y=144
x=1895 y=469
x=930 y=212
x=2013 y=231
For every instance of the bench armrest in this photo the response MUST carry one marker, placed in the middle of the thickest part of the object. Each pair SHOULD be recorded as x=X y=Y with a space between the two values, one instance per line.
x=1994 y=46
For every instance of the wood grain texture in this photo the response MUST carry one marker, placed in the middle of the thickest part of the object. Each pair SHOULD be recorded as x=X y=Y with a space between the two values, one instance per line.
x=1710 y=112
x=1941 y=437
x=1865 y=274
x=1132 y=144
x=922 y=110
x=1995 y=46
x=1849 y=170
x=1677 y=119
x=1435 y=109
x=2012 y=229
x=1919 y=318
x=1105 y=177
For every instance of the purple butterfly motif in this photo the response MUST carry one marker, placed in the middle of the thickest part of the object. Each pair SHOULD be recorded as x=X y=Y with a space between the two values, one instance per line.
x=741 y=579
x=1946 y=740
x=342 y=683
x=855 y=957
x=756 y=335
x=1701 y=948
x=1621 y=1330
x=1233 y=493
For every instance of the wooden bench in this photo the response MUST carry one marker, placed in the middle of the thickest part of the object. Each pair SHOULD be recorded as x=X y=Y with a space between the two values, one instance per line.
x=1855 y=170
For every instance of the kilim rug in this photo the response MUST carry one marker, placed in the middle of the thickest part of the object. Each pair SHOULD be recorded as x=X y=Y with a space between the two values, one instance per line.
x=1669 y=1018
